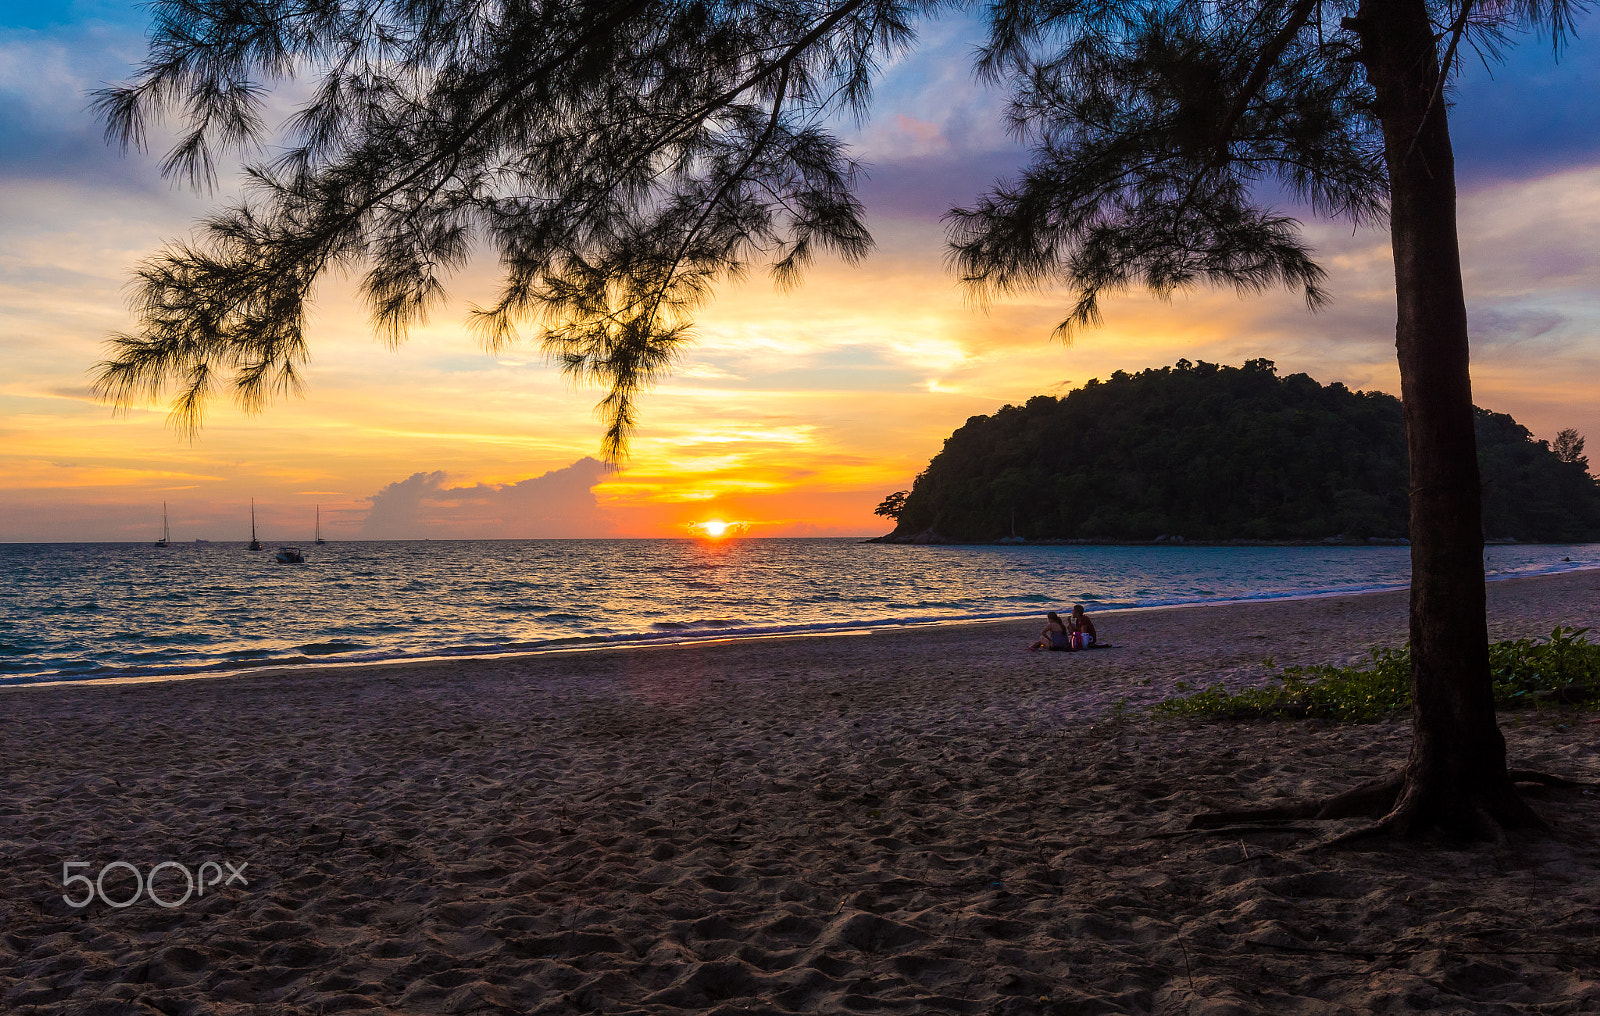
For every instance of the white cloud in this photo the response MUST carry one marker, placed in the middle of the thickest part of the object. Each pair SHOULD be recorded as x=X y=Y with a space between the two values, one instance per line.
x=559 y=504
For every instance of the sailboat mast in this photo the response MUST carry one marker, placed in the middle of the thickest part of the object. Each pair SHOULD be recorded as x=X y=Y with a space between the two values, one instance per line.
x=255 y=544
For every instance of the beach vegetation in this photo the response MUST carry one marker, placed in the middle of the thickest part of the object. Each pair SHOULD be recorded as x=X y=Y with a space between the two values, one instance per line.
x=1559 y=670
x=1213 y=452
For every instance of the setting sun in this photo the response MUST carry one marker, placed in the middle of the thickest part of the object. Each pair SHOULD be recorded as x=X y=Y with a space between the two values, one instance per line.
x=716 y=529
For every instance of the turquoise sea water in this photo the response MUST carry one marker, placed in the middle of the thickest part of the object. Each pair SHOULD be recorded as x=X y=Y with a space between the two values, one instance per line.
x=87 y=611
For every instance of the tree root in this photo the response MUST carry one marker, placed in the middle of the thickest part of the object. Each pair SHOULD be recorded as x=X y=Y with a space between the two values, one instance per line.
x=1235 y=830
x=1545 y=779
x=1374 y=798
x=1484 y=816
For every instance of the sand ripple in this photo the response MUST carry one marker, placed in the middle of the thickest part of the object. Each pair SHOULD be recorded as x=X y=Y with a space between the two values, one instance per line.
x=928 y=821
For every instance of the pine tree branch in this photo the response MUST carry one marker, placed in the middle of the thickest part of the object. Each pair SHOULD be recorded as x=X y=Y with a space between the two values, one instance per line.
x=1457 y=30
x=615 y=20
x=1298 y=18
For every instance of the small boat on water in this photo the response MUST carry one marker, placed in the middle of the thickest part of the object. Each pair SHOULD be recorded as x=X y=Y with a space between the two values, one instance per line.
x=320 y=540
x=166 y=535
x=289 y=555
x=255 y=544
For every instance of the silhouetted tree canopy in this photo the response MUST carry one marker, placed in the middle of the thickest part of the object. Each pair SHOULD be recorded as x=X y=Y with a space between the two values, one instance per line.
x=622 y=158
x=891 y=506
x=1216 y=453
x=1569 y=447
x=619 y=158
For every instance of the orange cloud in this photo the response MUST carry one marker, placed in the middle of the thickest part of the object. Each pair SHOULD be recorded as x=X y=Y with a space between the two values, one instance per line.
x=795 y=412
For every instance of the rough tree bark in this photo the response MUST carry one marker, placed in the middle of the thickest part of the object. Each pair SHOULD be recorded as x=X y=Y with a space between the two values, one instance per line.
x=1456 y=778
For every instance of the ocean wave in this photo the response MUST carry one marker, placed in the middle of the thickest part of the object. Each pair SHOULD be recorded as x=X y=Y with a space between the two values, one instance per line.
x=329 y=648
x=250 y=654
x=597 y=594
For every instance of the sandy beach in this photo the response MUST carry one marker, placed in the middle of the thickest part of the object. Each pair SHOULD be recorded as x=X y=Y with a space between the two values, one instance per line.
x=916 y=820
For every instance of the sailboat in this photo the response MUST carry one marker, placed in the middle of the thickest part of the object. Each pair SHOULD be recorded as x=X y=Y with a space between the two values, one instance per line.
x=166 y=536
x=255 y=544
x=320 y=540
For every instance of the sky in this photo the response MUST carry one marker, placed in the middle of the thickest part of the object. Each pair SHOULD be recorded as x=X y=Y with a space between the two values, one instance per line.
x=793 y=413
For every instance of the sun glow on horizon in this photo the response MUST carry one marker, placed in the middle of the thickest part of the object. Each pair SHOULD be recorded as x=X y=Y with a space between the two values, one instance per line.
x=794 y=415
x=716 y=529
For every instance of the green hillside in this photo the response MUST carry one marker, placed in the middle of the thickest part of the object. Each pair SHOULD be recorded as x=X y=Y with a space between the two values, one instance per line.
x=1217 y=453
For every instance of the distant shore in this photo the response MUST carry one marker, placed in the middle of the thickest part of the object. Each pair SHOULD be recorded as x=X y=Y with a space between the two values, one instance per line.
x=916 y=820
x=933 y=538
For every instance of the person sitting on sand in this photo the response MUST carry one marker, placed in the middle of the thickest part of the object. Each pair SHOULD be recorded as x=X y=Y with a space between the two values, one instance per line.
x=1054 y=635
x=1080 y=630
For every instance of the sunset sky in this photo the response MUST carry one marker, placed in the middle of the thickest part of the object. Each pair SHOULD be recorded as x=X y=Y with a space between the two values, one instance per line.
x=793 y=414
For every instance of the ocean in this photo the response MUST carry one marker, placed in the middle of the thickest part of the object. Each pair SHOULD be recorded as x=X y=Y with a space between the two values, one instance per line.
x=112 y=610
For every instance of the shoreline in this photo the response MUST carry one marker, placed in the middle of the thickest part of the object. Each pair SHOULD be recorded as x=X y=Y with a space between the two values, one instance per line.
x=926 y=821
x=930 y=539
x=936 y=540
x=667 y=640
x=1327 y=541
x=1371 y=602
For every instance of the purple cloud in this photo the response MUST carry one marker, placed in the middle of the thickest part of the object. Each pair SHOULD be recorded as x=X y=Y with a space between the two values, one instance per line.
x=559 y=504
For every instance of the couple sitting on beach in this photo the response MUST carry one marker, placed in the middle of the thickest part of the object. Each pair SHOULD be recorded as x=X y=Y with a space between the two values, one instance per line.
x=1077 y=632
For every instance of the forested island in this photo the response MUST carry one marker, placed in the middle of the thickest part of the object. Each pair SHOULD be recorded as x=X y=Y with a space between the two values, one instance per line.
x=1203 y=452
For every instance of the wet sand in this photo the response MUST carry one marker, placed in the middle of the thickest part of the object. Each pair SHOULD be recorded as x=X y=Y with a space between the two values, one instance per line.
x=921 y=820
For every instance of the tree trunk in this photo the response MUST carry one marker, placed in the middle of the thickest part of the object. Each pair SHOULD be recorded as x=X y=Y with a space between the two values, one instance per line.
x=1456 y=776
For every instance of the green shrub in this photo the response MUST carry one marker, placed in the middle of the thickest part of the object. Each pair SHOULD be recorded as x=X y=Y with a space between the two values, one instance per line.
x=1562 y=669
